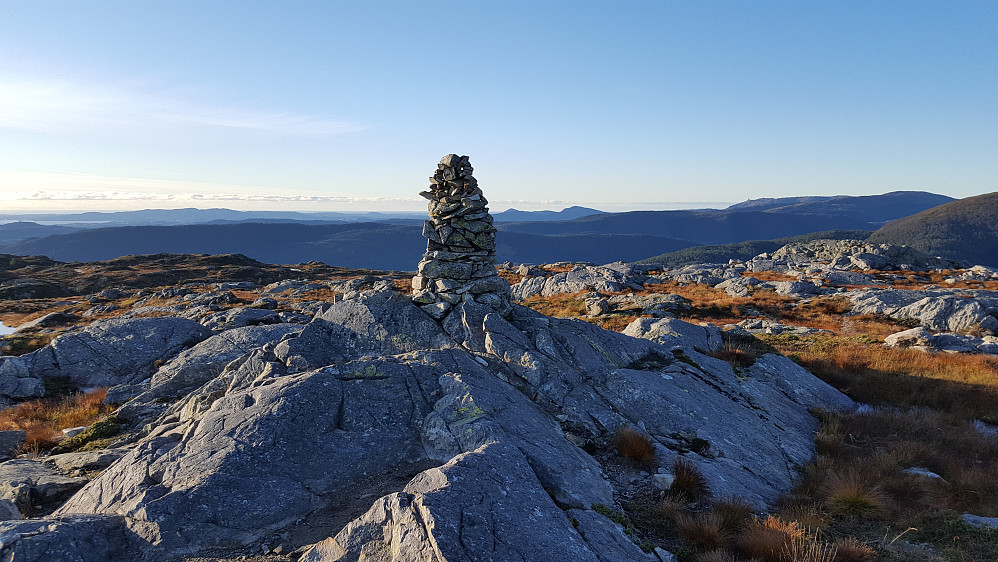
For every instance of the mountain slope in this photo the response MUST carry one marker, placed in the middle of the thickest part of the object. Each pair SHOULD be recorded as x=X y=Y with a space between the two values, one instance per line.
x=704 y=227
x=966 y=229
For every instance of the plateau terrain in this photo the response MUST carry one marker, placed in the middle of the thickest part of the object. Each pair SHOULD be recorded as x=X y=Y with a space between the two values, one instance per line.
x=829 y=398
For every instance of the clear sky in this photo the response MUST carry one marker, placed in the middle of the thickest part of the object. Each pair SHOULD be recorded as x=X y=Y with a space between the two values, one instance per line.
x=330 y=105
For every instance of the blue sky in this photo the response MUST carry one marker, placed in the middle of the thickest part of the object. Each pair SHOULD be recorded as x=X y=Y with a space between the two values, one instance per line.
x=626 y=105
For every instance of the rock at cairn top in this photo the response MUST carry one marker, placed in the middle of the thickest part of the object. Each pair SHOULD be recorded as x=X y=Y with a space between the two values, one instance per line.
x=459 y=263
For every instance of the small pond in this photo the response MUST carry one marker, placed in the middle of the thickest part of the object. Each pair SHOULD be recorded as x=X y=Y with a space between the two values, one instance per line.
x=4 y=330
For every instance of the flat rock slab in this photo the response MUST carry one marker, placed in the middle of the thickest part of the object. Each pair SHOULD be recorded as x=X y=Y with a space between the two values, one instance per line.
x=30 y=482
x=86 y=460
x=105 y=353
x=68 y=539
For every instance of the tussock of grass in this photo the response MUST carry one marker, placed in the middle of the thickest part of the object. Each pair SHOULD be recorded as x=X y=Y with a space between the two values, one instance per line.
x=717 y=555
x=689 y=482
x=734 y=513
x=703 y=530
x=634 y=444
x=851 y=550
x=769 y=539
x=44 y=420
x=852 y=494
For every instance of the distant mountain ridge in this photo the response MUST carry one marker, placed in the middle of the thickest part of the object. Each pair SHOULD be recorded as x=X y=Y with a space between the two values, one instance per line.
x=741 y=251
x=367 y=245
x=876 y=209
x=200 y=216
x=568 y=213
x=965 y=229
x=395 y=241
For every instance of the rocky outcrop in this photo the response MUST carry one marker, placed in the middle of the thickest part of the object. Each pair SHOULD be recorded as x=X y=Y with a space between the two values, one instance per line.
x=372 y=393
x=857 y=254
x=446 y=425
x=470 y=509
x=30 y=483
x=922 y=339
x=603 y=279
x=938 y=309
x=459 y=264
x=105 y=353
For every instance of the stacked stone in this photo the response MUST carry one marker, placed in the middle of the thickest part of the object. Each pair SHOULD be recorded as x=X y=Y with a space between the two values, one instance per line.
x=460 y=260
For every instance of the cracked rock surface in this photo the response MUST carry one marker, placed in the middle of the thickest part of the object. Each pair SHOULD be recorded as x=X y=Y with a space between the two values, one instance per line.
x=374 y=427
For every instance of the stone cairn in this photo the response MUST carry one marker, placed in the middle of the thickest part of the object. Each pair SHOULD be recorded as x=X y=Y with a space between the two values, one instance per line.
x=460 y=260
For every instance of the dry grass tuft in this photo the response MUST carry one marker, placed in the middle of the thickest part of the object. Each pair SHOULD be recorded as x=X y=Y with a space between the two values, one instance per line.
x=716 y=556
x=734 y=513
x=43 y=420
x=807 y=549
x=804 y=511
x=769 y=539
x=634 y=444
x=702 y=530
x=850 y=549
x=689 y=482
x=850 y=493
x=671 y=507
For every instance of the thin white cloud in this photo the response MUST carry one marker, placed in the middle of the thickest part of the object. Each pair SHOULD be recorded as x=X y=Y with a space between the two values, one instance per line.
x=95 y=188
x=64 y=105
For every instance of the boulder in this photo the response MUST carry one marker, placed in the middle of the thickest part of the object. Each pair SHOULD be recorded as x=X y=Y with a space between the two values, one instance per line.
x=915 y=337
x=670 y=331
x=8 y=510
x=655 y=304
x=949 y=313
x=48 y=320
x=68 y=539
x=738 y=286
x=798 y=289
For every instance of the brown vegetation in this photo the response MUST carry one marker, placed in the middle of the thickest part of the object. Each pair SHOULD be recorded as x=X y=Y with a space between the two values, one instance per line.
x=43 y=420
x=569 y=305
x=689 y=483
x=634 y=444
